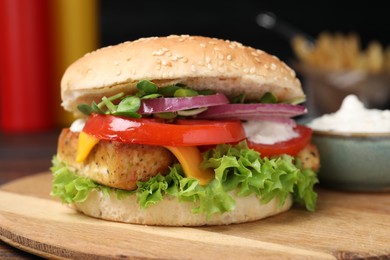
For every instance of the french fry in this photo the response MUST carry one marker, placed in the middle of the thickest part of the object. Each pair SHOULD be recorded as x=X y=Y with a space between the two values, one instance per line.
x=374 y=57
x=386 y=62
x=339 y=52
x=302 y=48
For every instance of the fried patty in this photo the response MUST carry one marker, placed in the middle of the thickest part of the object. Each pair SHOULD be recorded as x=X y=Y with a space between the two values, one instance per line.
x=115 y=164
x=310 y=157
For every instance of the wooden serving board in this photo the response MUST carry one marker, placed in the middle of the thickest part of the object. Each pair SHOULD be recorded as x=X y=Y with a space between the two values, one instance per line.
x=345 y=226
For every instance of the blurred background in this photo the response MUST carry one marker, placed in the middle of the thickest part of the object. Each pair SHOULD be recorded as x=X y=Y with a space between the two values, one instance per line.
x=40 y=38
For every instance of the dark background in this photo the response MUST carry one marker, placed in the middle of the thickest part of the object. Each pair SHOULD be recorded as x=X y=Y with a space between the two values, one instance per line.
x=236 y=20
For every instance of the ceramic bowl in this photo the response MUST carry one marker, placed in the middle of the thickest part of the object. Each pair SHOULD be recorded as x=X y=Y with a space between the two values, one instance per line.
x=354 y=162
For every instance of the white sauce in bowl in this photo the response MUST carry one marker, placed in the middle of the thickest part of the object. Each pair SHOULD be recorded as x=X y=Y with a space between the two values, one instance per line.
x=353 y=117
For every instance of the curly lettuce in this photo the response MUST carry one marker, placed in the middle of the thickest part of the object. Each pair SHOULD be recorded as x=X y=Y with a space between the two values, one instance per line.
x=237 y=169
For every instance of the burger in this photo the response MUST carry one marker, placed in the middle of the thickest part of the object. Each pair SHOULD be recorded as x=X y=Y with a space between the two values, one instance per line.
x=183 y=131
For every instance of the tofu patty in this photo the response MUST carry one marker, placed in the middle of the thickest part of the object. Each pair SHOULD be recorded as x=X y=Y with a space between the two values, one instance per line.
x=115 y=164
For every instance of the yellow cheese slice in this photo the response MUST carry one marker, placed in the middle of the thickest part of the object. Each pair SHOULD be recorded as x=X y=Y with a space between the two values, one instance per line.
x=85 y=145
x=190 y=159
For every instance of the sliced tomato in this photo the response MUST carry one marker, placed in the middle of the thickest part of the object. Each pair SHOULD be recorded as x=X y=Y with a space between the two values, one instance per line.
x=157 y=132
x=291 y=147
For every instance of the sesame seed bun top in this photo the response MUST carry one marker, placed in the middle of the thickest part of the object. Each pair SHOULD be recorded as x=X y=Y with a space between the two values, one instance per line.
x=199 y=62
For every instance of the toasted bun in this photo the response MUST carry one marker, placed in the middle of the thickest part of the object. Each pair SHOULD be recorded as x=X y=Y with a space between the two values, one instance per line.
x=199 y=62
x=170 y=212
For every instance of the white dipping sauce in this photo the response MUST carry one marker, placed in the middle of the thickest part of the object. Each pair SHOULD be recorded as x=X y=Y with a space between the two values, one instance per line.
x=353 y=117
x=268 y=132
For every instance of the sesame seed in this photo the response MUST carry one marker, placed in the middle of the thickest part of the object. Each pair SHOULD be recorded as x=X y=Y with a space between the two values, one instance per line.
x=158 y=53
x=229 y=57
x=212 y=42
x=118 y=73
x=169 y=54
x=252 y=70
x=202 y=45
x=209 y=66
x=220 y=56
x=89 y=71
x=166 y=63
x=158 y=67
x=254 y=54
x=246 y=70
x=128 y=59
x=201 y=63
x=208 y=60
x=174 y=58
x=273 y=66
x=221 y=63
x=184 y=60
x=116 y=63
x=216 y=49
x=193 y=68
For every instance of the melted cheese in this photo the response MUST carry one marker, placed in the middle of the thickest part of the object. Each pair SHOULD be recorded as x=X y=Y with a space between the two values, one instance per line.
x=85 y=145
x=190 y=159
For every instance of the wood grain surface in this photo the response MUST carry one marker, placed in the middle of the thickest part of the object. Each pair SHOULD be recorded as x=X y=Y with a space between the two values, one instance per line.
x=345 y=226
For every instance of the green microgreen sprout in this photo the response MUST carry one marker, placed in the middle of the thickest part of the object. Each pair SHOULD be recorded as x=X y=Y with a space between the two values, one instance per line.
x=185 y=92
x=146 y=87
x=168 y=91
x=268 y=97
x=85 y=109
x=111 y=107
x=165 y=115
x=128 y=107
x=239 y=99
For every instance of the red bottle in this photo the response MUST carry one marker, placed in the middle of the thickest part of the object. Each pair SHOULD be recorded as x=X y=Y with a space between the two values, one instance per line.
x=25 y=91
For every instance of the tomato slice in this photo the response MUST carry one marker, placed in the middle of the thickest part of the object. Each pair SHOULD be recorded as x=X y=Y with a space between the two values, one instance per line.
x=291 y=147
x=156 y=132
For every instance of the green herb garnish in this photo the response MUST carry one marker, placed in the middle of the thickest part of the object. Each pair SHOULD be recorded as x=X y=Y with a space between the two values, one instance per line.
x=268 y=97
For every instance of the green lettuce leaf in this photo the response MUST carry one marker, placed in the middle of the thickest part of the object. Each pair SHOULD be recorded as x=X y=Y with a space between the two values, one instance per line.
x=237 y=169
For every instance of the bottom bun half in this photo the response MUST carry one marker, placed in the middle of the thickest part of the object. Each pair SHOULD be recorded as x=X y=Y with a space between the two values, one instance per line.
x=170 y=212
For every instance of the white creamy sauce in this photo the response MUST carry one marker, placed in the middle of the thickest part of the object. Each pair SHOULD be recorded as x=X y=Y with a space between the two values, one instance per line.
x=353 y=117
x=77 y=125
x=268 y=132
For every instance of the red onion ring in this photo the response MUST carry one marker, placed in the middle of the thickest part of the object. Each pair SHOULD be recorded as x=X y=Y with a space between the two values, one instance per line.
x=252 y=111
x=158 y=105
